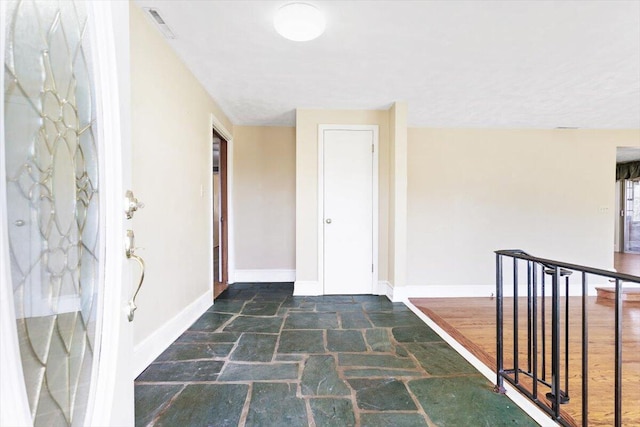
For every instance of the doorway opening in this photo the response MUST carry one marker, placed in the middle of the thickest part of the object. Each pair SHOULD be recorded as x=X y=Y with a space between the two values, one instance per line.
x=219 y=201
x=631 y=219
x=627 y=212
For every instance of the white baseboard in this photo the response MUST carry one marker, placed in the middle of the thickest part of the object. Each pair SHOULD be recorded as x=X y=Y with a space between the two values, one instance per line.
x=385 y=288
x=263 y=276
x=403 y=293
x=151 y=347
x=307 y=288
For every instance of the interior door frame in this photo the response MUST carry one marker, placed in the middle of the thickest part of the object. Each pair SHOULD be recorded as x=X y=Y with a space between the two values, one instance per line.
x=112 y=383
x=374 y=204
x=227 y=228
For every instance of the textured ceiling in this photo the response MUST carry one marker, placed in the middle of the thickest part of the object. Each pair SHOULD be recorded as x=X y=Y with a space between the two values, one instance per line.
x=627 y=154
x=485 y=64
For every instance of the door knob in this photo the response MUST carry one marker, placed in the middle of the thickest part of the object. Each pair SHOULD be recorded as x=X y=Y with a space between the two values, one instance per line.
x=328 y=221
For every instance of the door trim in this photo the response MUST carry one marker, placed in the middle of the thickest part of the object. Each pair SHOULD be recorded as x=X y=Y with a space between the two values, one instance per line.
x=218 y=126
x=113 y=327
x=374 y=204
x=12 y=387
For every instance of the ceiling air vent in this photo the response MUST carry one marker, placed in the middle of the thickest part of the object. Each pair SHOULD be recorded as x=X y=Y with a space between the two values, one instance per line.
x=160 y=22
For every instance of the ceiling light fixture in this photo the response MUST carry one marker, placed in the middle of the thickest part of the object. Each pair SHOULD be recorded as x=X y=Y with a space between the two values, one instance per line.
x=299 y=22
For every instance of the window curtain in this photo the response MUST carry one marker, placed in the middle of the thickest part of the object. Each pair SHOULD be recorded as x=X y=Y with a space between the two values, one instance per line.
x=628 y=170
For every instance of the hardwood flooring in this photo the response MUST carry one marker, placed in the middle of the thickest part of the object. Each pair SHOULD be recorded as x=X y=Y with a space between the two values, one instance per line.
x=472 y=322
x=627 y=263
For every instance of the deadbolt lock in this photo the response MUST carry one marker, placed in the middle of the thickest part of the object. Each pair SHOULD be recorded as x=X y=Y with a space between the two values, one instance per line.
x=131 y=204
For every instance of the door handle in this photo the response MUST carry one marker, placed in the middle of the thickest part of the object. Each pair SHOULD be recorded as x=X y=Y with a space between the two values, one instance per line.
x=328 y=221
x=129 y=251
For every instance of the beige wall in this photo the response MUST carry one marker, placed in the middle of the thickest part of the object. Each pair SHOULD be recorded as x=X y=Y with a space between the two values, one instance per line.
x=264 y=199
x=307 y=222
x=171 y=139
x=470 y=192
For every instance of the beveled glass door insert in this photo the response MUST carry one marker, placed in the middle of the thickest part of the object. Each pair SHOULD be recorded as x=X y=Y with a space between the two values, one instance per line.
x=53 y=203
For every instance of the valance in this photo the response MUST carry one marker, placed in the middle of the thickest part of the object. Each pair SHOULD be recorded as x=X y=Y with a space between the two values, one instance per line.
x=629 y=170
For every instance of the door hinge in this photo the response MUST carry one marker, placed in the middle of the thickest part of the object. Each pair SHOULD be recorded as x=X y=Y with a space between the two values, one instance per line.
x=372 y=148
x=372 y=268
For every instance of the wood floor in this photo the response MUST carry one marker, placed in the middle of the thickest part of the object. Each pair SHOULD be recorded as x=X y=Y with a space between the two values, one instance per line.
x=472 y=322
x=627 y=263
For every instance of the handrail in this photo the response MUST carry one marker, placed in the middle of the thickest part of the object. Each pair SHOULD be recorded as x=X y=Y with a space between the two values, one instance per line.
x=535 y=368
x=520 y=254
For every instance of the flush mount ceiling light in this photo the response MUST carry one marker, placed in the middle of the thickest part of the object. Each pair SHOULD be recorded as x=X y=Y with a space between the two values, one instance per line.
x=299 y=22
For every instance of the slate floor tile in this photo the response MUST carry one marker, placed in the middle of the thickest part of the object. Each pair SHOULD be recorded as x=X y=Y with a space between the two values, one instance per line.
x=259 y=372
x=346 y=341
x=311 y=321
x=370 y=298
x=401 y=351
x=394 y=318
x=255 y=348
x=384 y=304
x=198 y=370
x=226 y=306
x=375 y=360
x=338 y=307
x=378 y=305
x=275 y=298
x=277 y=347
x=354 y=320
x=304 y=307
x=330 y=412
x=269 y=325
x=440 y=359
x=292 y=302
x=237 y=294
x=421 y=333
x=208 y=337
x=210 y=321
x=320 y=378
x=260 y=308
x=468 y=400
x=332 y=298
x=378 y=340
x=382 y=395
x=379 y=372
x=193 y=407
x=261 y=287
x=289 y=357
x=151 y=399
x=179 y=351
x=372 y=419
x=289 y=411
x=303 y=341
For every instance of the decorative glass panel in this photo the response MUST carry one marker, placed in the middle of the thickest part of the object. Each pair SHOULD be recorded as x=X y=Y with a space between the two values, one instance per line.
x=52 y=195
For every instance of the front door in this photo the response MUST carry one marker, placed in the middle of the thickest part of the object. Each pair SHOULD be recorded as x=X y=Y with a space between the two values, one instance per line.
x=65 y=281
x=349 y=203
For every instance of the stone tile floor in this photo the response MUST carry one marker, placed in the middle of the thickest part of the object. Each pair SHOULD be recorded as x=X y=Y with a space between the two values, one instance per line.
x=261 y=357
